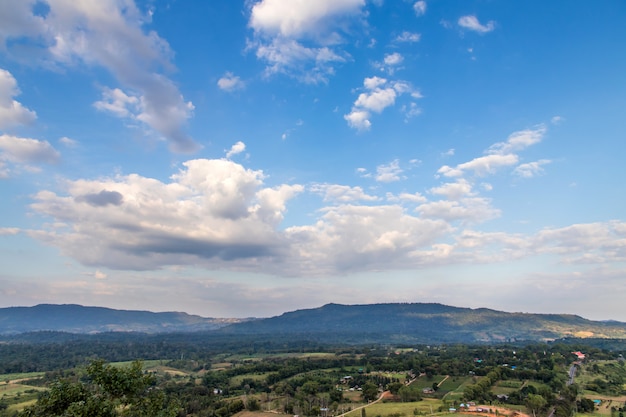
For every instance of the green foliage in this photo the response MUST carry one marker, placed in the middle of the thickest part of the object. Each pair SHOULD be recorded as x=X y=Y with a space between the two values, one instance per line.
x=106 y=391
x=410 y=393
x=536 y=403
x=370 y=391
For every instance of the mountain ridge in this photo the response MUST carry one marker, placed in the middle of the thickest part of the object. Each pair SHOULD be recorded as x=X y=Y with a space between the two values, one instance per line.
x=76 y=318
x=361 y=323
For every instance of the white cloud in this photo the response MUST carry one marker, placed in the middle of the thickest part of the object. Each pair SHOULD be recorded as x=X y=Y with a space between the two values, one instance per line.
x=407 y=197
x=454 y=190
x=499 y=155
x=99 y=275
x=480 y=166
x=358 y=119
x=308 y=64
x=419 y=7
x=465 y=210
x=589 y=243
x=471 y=22
x=391 y=63
x=380 y=94
x=393 y=59
x=357 y=238
x=294 y=18
x=390 y=172
x=410 y=111
x=27 y=151
x=237 y=148
x=68 y=142
x=122 y=105
x=376 y=100
x=531 y=169
x=281 y=27
x=373 y=83
x=12 y=113
x=341 y=193
x=557 y=120
x=213 y=212
x=109 y=33
x=518 y=141
x=9 y=231
x=230 y=82
x=408 y=37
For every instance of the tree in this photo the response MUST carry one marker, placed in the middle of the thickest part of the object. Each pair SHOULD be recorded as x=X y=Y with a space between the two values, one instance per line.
x=370 y=391
x=535 y=403
x=106 y=392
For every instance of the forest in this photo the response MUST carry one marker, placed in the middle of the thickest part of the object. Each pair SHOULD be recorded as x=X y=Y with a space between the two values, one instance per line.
x=134 y=375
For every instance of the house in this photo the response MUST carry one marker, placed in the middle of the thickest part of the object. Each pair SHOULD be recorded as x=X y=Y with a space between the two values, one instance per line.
x=579 y=355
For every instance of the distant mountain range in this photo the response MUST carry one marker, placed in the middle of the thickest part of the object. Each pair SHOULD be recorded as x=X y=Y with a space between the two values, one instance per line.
x=73 y=318
x=377 y=323
x=428 y=323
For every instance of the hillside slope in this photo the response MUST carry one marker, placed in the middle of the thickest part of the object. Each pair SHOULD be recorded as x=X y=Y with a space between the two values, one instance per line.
x=428 y=323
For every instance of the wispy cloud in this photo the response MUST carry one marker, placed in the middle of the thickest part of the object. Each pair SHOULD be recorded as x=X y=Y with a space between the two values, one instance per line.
x=110 y=34
x=419 y=7
x=300 y=39
x=409 y=37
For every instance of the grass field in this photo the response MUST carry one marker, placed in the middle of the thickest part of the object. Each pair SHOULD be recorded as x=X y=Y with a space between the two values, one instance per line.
x=22 y=376
x=408 y=409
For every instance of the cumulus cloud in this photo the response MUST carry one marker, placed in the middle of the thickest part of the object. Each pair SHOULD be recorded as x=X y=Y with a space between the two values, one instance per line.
x=453 y=190
x=358 y=119
x=406 y=197
x=471 y=22
x=109 y=33
x=26 y=151
x=393 y=59
x=103 y=198
x=236 y=149
x=217 y=214
x=212 y=211
x=230 y=82
x=300 y=38
x=341 y=193
x=12 y=113
x=380 y=94
x=465 y=210
x=351 y=237
x=589 y=243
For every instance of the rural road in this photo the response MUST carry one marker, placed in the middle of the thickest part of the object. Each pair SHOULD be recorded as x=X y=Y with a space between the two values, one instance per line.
x=380 y=397
x=572 y=374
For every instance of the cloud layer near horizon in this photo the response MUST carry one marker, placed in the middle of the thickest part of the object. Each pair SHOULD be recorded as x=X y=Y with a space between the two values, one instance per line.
x=217 y=214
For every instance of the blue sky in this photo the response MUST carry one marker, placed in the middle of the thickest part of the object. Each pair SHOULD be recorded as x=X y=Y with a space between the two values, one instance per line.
x=246 y=158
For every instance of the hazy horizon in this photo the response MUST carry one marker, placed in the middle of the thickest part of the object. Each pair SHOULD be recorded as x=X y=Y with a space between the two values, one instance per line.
x=248 y=158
